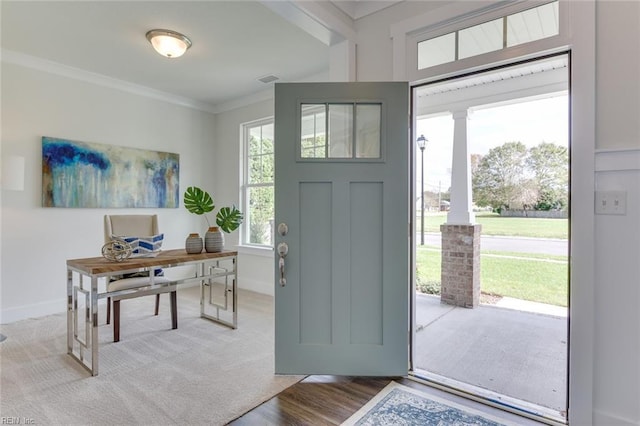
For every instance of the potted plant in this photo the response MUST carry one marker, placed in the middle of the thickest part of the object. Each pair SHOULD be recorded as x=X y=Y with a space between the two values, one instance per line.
x=228 y=219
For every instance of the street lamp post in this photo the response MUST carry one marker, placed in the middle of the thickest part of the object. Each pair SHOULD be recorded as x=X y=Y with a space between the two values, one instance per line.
x=422 y=142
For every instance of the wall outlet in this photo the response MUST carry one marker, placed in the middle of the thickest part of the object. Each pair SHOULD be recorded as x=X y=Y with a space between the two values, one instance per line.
x=611 y=202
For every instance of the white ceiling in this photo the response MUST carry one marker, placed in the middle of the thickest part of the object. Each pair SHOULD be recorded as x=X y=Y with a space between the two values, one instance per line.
x=234 y=43
x=357 y=9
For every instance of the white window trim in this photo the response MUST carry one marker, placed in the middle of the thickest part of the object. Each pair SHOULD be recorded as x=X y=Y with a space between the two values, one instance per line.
x=243 y=246
x=255 y=250
x=407 y=34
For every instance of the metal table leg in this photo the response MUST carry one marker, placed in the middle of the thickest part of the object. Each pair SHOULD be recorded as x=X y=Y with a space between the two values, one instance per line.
x=93 y=325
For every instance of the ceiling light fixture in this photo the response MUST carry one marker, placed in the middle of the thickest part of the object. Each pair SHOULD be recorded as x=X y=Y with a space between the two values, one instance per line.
x=169 y=43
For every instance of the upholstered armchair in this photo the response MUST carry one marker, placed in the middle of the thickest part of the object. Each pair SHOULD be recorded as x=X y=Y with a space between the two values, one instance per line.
x=127 y=226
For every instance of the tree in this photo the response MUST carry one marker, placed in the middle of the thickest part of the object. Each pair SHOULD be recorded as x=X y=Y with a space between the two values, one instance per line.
x=261 y=198
x=501 y=176
x=510 y=176
x=550 y=165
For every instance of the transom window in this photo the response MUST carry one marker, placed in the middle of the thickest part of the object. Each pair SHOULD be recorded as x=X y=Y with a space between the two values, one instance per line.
x=511 y=30
x=340 y=131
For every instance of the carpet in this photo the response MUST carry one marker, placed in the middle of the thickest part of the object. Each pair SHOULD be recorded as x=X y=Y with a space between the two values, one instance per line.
x=202 y=373
x=401 y=405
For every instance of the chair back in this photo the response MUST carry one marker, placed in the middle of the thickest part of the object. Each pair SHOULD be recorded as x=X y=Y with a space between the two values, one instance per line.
x=130 y=224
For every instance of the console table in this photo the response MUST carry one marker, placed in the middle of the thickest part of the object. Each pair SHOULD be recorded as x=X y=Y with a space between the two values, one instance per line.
x=82 y=329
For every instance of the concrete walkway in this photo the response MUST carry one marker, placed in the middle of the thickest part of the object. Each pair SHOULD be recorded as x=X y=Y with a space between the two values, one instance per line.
x=506 y=350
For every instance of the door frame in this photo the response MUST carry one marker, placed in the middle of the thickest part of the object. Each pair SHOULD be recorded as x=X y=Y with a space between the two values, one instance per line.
x=578 y=23
x=523 y=411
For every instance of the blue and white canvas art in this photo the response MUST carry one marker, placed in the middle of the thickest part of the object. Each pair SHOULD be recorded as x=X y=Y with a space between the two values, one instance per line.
x=91 y=175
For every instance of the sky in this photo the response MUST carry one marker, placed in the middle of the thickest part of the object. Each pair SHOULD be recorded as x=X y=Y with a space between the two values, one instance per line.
x=532 y=122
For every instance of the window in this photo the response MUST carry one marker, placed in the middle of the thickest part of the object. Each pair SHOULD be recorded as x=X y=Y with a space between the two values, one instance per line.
x=258 y=183
x=340 y=131
x=533 y=24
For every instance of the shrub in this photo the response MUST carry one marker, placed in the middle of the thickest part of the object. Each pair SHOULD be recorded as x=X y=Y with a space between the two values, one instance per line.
x=427 y=286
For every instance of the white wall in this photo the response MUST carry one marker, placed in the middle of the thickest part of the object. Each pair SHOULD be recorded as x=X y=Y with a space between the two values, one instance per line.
x=617 y=294
x=618 y=74
x=255 y=267
x=37 y=241
x=617 y=250
x=36 y=104
x=375 y=47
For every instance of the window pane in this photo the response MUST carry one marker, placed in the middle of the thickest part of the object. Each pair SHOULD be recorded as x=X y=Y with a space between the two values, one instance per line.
x=260 y=215
x=267 y=136
x=312 y=137
x=533 y=24
x=254 y=140
x=340 y=130
x=437 y=51
x=254 y=169
x=260 y=156
x=255 y=146
x=261 y=169
x=266 y=154
x=368 y=131
x=480 y=39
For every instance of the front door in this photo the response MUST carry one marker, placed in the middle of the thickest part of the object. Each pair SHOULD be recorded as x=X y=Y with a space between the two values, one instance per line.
x=341 y=189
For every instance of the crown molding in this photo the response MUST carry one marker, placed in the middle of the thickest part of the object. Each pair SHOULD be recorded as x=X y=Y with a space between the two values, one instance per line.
x=51 y=67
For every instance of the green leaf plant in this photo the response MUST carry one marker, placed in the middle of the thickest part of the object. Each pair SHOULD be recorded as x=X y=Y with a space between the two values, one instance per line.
x=199 y=202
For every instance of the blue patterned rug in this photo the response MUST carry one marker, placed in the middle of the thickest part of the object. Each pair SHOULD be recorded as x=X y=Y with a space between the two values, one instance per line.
x=401 y=405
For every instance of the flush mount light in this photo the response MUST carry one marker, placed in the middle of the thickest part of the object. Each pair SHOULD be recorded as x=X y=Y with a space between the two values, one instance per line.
x=169 y=43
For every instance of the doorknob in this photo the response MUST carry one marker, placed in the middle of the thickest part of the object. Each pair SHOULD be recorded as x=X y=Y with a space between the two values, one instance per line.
x=283 y=249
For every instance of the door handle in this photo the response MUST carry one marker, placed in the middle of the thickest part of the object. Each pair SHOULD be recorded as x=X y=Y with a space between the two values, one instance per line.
x=283 y=249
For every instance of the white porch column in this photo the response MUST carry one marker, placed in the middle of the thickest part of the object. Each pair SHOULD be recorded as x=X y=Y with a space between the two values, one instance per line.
x=460 y=210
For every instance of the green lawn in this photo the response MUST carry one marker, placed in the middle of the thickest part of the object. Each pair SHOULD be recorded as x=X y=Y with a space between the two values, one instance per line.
x=493 y=224
x=526 y=279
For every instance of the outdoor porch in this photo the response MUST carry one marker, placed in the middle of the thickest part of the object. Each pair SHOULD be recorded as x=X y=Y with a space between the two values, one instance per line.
x=514 y=351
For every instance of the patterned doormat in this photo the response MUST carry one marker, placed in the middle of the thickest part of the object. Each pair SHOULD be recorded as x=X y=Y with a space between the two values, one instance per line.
x=401 y=405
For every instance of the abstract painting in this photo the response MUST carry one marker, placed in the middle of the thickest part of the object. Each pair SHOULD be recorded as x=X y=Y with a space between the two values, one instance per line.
x=91 y=175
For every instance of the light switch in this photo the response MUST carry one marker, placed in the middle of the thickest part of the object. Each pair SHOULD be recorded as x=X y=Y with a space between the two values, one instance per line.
x=611 y=202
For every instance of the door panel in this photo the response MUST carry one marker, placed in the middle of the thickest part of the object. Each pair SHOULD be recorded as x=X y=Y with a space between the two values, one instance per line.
x=341 y=186
x=315 y=263
x=366 y=199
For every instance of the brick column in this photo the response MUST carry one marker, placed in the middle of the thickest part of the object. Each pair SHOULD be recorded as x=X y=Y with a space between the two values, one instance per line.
x=460 y=276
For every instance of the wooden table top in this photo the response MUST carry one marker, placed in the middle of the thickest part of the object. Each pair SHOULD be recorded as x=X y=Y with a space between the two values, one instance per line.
x=100 y=265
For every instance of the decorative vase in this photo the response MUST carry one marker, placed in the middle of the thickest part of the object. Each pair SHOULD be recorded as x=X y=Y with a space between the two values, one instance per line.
x=214 y=240
x=193 y=244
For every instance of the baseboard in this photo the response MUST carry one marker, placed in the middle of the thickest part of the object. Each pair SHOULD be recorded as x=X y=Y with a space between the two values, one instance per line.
x=43 y=309
x=35 y=310
x=257 y=286
x=606 y=419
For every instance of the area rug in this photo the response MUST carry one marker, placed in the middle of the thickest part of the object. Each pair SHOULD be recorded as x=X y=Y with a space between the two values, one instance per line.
x=202 y=373
x=401 y=405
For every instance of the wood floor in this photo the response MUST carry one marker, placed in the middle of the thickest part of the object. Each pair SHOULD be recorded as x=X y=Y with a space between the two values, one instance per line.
x=330 y=400
x=317 y=400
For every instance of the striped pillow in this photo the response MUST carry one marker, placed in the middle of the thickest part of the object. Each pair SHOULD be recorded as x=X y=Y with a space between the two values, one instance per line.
x=143 y=246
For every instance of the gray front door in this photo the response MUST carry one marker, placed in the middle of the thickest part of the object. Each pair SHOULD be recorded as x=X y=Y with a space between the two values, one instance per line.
x=341 y=187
